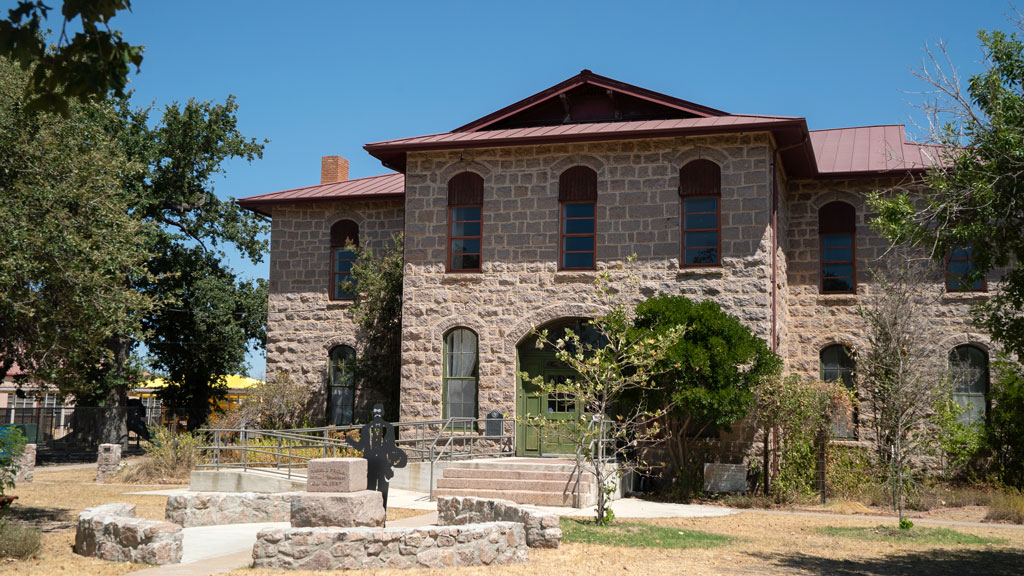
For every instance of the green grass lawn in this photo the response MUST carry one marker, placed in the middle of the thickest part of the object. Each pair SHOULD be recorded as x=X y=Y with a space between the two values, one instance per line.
x=916 y=535
x=637 y=535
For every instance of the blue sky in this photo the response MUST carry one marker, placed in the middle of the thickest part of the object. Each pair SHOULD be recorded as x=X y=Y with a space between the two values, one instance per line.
x=318 y=78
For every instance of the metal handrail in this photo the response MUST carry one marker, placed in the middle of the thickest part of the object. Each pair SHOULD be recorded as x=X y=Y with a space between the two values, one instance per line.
x=417 y=438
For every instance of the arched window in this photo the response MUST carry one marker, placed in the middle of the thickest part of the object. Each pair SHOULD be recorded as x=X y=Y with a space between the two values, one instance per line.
x=460 y=373
x=836 y=231
x=959 y=266
x=837 y=366
x=343 y=234
x=341 y=386
x=465 y=222
x=969 y=370
x=700 y=186
x=577 y=196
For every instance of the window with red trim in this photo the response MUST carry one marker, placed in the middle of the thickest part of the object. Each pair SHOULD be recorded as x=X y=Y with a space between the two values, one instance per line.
x=836 y=246
x=700 y=186
x=577 y=195
x=465 y=222
x=344 y=236
x=959 y=271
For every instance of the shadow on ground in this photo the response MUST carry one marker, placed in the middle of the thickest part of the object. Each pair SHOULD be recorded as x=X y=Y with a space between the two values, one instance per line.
x=46 y=519
x=932 y=562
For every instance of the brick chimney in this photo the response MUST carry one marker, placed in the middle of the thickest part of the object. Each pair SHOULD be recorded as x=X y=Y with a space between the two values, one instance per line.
x=333 y=169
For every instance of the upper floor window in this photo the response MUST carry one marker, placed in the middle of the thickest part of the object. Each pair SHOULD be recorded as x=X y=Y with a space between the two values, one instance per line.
x=341 y=386
x=344 y=234
x=959 y=266
x=465 y=222
x=460 y=373
x=837 y=366
x=836 y=231
x=969 y=369
x=577 y=195
x=700 y=186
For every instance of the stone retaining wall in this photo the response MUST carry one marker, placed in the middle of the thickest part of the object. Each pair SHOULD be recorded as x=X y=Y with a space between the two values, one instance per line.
x=112 y=532
x=210 y=508
x=26 y=465
x=376 y=548
x=541 y=527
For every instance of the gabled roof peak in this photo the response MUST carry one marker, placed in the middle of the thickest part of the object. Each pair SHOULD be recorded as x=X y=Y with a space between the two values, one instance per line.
x=586 y=98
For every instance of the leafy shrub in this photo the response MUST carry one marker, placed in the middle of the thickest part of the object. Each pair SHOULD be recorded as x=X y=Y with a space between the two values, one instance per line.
x=1004 y=432
x=1006 y=506
x=957 y=443
x=169 y=457
x=19 y=540
x=267 y=451
x=12 y=445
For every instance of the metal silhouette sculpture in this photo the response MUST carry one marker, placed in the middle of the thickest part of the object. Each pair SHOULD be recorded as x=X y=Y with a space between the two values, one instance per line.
x=377 y=442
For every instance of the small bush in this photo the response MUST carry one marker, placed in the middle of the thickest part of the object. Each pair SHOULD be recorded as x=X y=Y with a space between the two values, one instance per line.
x=19 y=540
x=169 y=457
x=1006 y=506
x=1005 y=426
x=12 y=445
x=267 y=451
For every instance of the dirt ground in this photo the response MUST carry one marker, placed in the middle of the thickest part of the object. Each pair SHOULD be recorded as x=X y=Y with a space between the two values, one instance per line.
x=765 y=542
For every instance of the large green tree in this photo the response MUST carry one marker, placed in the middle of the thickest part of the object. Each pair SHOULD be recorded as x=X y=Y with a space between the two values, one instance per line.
x=69 y=245
x=975 y=200
x=88 y=66
x=705 y=380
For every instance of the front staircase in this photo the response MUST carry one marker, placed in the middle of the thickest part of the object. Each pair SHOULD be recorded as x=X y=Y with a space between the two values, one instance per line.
x=537 y=481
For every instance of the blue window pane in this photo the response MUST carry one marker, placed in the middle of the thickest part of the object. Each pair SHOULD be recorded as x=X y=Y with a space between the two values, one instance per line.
x=836 y=240
x=578 y=243
x=579 y=210
x=693 y=221
x=342 y=281
x=960 y=267
x=466 y=213
x=466 y=245
x=465 y=261
x=837 y=254
x=837 y=270
x=960 y=253
x=701 y=239
x=702 y=204
x=343 y=266
x=701 y=256
x=837 y=285
x=465 y=228
x=578 y=260
x=584 y=226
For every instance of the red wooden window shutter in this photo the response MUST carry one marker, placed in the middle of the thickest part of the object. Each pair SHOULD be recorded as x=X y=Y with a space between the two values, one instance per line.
x=837 y=218
x=466 y=188
x=700 y=178
x=577 y=184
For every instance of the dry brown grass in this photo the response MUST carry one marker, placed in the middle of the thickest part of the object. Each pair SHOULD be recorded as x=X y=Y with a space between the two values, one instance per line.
x=767 y=544
x=52 y=502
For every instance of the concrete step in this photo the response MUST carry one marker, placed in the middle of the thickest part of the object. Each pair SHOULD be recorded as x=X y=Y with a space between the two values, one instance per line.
x=458 y=471
x=519 y=496
x=531 y=464
x=512 y=484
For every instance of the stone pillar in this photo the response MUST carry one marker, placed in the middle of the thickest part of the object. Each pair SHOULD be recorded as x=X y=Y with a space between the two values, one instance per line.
x=336 y=495
x=27 y=465
x=108 y=462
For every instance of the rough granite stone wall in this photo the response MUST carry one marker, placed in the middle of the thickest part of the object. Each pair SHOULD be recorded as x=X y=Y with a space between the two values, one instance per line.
x=390 y=548
x=112 y=532
x=26 y=465
x=212 y=508
x=818 y=320
x=520 y=286
x=542 y=528
x=303 y=324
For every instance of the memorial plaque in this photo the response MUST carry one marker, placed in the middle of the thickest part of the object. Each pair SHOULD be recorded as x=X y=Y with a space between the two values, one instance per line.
x=725 y=478
x=336 y=475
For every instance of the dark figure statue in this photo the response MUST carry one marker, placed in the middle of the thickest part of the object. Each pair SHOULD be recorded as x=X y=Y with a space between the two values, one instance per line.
x=377 y=441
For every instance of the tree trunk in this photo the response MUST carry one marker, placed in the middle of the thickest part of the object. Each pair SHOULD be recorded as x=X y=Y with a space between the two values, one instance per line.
x=113 y=424
x=198 y=407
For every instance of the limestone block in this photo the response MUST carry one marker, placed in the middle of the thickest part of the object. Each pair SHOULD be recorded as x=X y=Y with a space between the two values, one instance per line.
x=364 y=508
x=108 y=461
x=27 y=465
x=336 y=475
x=111 y=532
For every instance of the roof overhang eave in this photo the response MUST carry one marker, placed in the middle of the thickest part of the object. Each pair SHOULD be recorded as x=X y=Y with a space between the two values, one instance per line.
x=255 y=205
x=393 y=155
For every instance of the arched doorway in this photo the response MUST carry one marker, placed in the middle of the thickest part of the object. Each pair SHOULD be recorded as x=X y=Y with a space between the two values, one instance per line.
x=538 y=413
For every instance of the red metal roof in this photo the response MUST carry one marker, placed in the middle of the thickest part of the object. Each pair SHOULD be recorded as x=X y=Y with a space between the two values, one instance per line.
x=870 y=149
x=372 y=187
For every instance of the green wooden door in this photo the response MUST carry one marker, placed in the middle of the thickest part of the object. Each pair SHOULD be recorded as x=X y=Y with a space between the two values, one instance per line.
x=546 y=437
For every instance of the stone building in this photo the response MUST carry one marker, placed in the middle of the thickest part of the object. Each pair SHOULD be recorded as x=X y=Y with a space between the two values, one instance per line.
x=508 y=221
